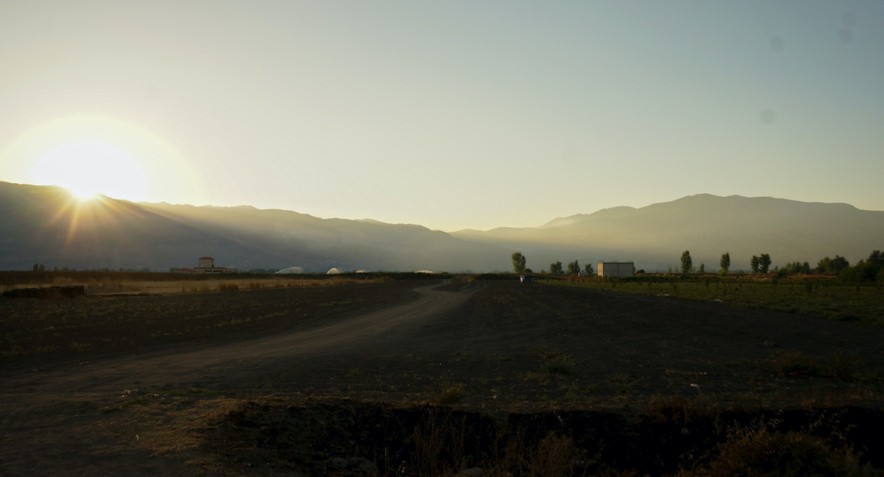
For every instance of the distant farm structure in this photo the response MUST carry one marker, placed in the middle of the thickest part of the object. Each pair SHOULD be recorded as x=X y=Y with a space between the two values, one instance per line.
x=616 y=269
x=290 y=271
x=207 y=265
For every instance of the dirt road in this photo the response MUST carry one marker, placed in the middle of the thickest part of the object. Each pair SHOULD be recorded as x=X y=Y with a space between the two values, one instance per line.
x=48 y=421
x=497 y=345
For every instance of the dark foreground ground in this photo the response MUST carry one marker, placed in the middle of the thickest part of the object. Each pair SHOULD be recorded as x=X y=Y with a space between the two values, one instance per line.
x=421 y=378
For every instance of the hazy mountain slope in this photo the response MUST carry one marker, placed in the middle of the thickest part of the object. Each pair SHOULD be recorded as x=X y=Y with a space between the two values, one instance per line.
x=707 y=225
x=43 y=225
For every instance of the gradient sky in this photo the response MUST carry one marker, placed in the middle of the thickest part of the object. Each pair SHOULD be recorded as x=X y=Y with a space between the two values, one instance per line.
x=453 y=114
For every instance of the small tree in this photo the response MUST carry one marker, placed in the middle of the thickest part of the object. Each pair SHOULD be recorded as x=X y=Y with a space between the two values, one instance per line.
x=556 y=268
x=687 y=264
x=725 y=263
x=702 y=268
x=764 y=263
x=574 y=268
x=754 y=263
x=588 y=268
x=519 y=261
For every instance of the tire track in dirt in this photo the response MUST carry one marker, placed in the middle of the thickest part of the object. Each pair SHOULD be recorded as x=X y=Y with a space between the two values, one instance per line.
x=31 y=433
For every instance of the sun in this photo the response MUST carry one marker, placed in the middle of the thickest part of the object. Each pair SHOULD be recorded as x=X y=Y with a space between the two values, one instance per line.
x=88 y=168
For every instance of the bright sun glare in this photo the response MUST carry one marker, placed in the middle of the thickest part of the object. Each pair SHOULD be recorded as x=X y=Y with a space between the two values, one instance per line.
x=89 y=168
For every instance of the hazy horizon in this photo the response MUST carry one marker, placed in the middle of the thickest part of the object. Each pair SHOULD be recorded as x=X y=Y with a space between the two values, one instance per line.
x=452 y=116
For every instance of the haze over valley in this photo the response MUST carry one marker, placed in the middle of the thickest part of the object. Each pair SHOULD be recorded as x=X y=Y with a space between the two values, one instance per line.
x=44 y=224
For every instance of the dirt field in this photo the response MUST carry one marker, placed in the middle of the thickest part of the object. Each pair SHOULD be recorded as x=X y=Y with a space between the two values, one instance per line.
x=408 y=378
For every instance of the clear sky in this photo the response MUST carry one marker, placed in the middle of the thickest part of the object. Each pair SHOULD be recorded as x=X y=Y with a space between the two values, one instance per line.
x=454 y=114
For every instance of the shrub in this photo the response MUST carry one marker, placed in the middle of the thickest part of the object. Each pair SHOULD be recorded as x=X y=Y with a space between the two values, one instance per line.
x=556 y=363
x=759 y=451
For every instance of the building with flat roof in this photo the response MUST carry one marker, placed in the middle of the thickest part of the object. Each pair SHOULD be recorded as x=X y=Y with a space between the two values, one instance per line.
x=207 y=265
x=615 y=269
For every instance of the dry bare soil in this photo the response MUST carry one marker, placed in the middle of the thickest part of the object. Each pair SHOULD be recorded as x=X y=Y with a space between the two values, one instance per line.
x=431 y=378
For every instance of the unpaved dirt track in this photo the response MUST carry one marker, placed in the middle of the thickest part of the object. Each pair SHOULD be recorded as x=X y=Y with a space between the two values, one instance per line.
x=40 y=433
x=490 y=338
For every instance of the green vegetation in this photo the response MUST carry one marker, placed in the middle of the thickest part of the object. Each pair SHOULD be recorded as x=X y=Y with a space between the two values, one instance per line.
x=687 y=263
x=725 y=263
x=764 y=262
x=827 y=297
x=556 y=268
x=449 y=393
x=519 y=261
x=555 y=363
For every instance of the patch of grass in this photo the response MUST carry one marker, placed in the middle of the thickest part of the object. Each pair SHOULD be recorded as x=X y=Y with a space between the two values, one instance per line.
x=795 y=364
x=539 y=377
x=828 y=299
x=792 y=363
x=449 y=393
x=79 y=347
x=228 y=287
x=555 y=363
x=13 y=352
x=846 y=367
x=194 y=392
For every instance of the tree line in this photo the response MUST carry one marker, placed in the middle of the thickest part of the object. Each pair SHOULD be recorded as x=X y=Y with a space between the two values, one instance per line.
x=555 y=268
x=866 y=270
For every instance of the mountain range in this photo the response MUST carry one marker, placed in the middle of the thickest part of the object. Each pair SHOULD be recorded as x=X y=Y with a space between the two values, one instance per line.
x=42 y=224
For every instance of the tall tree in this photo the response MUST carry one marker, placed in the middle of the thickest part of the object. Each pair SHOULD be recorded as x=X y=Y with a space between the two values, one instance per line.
x=519 y=261
x=754 y=263
x=764 y=263
x=556 y=268
x=687 y=264
x=574 y=268
x=725 y=262
x=832 y=265
x=588 y=268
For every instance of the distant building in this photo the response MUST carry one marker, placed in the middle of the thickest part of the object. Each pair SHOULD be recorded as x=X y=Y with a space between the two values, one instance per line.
x=207 y=265
x=616 y=269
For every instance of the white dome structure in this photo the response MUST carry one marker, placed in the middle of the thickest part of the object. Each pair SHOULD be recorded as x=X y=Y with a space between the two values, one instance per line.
x=290 y=271
x=334 y=271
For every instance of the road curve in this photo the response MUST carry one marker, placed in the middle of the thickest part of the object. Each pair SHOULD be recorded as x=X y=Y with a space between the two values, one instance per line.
x=36 y=432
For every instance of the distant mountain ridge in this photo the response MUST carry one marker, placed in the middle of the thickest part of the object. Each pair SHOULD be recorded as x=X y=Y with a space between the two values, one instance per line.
x=41 y=224
x=655 y=236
